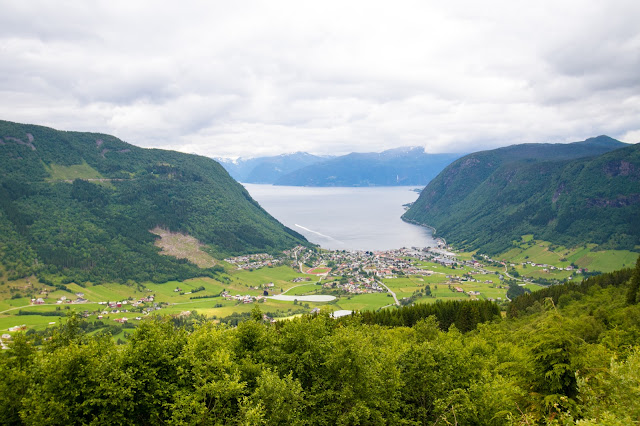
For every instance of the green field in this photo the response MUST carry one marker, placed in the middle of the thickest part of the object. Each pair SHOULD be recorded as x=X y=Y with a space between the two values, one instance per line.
x=465 y=255
x=31 y=321
x=608 y=260
x=532 y=287
x=105 y=292
x=13 y=303
x=281 y=276
x=431 y=266
x=587 y=256
x=240 y=282
x=538 y=253
x=76 y=171
x=539 y=273
x=487 y=277
x=360 y=302
x=435 y=278
x=303 y=289
x=229 y=307
x=252 y=282
x=404 y=287
x=444 y=292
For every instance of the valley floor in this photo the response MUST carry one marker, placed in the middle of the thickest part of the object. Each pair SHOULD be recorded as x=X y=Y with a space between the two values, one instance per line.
x=304 y=280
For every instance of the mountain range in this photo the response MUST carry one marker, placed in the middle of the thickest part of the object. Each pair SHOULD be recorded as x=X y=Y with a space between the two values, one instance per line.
x=83 y=205
x=569 y=194
x=395 y=167
x=267 y=169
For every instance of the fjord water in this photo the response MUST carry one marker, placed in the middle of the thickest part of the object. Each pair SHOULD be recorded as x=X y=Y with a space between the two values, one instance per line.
x=345 y=218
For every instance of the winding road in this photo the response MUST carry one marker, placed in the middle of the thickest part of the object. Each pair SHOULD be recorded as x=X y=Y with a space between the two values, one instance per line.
x=389 y=290
x=512 y=277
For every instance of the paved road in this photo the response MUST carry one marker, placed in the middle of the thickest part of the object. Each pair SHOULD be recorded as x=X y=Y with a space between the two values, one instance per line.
x=47 y=304
x=295 y=253
x=510 y=276
x=388 y=289
x=519 y=279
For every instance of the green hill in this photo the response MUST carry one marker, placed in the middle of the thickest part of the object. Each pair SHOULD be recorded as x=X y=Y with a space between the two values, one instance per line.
x=82 y=205
x=569 y=194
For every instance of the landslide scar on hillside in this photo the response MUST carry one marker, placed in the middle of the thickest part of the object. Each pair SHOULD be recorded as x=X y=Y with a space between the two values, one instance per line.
x=182 y=246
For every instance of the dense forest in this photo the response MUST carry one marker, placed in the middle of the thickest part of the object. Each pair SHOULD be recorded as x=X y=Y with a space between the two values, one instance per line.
x=561 y=360
x=568 y=194
x=81 y=205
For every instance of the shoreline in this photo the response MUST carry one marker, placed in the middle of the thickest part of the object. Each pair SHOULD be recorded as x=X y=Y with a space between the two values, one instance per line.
x=433 y=230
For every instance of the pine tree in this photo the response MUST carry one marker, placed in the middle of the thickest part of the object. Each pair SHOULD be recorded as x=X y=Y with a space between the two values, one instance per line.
x=632 y=293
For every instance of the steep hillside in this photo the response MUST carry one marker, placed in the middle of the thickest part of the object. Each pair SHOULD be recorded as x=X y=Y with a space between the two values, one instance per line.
x=82 y=205
x=568 y=194
x=268 y=169
x=402 y=166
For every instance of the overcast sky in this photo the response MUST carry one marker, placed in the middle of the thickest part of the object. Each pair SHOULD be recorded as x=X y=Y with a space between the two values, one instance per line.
x=243 y=78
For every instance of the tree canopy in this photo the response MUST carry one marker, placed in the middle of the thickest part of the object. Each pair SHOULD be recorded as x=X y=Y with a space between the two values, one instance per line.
x=575 y=360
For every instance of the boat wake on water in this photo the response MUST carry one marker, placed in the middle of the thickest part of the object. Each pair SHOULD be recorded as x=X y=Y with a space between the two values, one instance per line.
x=317 y=233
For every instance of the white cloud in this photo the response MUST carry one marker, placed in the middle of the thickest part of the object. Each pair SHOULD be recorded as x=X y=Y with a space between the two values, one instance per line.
x=260 y=78
x=631 y=136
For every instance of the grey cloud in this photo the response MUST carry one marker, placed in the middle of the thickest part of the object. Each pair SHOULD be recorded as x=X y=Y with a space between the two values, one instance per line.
x=254 y=78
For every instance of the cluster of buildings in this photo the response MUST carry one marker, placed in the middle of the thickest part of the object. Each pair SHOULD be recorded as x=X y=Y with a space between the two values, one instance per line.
x=253 y=261
x=125 y=319
x=62 y=300
x=384 y=263
x=363 y=285
x=4 y=340
x=359 y=271
x=547 y=268
x=352 y=271
x=241 y=298
x=470 y=292
x=6 y=337
x=147 y=303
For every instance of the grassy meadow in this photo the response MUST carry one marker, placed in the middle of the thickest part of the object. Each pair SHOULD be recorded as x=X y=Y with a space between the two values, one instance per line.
x=175 y=297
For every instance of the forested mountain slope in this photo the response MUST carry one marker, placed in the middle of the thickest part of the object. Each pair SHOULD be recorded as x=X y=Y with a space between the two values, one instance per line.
x=570 y=194
x=82 y=205
x=395 y=167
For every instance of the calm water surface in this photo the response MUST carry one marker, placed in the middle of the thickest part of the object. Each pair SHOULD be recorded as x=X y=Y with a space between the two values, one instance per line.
x=345 y=218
